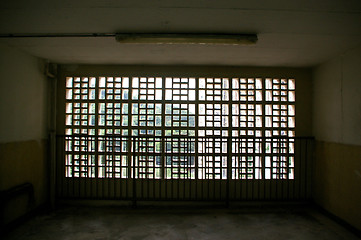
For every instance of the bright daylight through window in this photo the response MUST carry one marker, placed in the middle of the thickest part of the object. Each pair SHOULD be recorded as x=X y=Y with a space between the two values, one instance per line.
x=180 y=128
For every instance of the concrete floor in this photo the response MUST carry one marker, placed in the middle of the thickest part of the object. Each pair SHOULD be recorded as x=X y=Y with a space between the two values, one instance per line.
x=89 y=223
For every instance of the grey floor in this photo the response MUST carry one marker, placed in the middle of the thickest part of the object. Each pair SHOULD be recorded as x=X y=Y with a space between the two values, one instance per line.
x=181 y=223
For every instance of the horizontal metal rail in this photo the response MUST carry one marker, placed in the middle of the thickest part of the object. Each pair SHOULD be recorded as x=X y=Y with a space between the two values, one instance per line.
x=179 y=136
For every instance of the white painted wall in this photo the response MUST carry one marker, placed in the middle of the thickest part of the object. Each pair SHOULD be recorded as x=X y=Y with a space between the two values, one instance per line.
x=22 y=96
x=337 y=99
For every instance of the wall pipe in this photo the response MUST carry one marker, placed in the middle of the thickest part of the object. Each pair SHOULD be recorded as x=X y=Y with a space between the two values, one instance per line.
x=50 y=73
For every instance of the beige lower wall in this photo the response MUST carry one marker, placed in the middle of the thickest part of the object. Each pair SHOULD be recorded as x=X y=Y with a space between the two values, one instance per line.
x=337 y=180
x=22 y=162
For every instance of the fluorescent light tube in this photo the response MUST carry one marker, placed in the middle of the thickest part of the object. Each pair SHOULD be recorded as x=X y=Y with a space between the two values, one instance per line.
x=219 y=39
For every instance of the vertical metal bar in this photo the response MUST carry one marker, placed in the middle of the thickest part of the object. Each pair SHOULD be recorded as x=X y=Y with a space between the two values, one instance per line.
x=106 y=139
x=299 y=150
x=60 y=154
x=73 y=165
x=145 y=180
x=255 y=179
x=53 y=168
x=179 y=158
x=172 y=143
x=209 y=156
x=112 y=173
x=163 y=143
x=129 y=137
x=271 y=180
x=229 y=142
x=305 y=168
x=59 y=179
x=277 y=167
x=310 y=165
x=288 y=164
x=247 y=140
x=112 y=176
x=134 y=197
x=52 y=95
x=196 y=144
x=87 y=178
x=247 y=168
x=65 y=181
x=104 y=171
x=96 y=137
x=185 y=164
x=263 y=135
x=288 y=142
x=140 y=155
x=293 y=157
x=214 y=176
x=229 y=166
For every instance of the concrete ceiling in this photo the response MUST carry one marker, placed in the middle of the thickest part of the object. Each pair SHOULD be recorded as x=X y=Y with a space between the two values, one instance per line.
x=291 y=33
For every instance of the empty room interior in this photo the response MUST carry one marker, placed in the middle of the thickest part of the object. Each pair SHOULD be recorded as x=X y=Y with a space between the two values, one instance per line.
x=180 y=119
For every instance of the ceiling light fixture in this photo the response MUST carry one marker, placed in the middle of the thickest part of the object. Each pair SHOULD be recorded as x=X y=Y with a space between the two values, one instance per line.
x=220 y=39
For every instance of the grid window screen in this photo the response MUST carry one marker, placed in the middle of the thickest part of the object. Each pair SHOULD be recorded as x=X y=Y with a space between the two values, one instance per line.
x=213 y=120
x=147 y=158
x=180 y=128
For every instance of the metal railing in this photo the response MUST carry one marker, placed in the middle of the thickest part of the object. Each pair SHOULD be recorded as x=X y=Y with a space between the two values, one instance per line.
x=184 y=167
